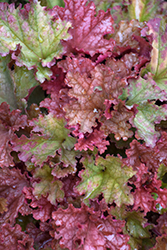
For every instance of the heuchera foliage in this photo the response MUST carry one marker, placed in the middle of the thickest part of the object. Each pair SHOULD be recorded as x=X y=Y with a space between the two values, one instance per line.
x=83 y=125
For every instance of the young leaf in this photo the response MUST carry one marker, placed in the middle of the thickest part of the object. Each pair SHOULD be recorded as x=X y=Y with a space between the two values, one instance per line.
x=107 y=177
x=50 y=135
x=88 y=30
x=37 y=35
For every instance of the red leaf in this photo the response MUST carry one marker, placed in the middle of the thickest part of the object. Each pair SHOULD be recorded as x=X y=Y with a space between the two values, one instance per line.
x=40 y=236
x=119 y=122
x=95 y=139
x=9 y=123
x=140 y=153
x=14 y=239
x=43 y=208
x=88 y=30
x=89 y=91
x=12 y=184
x=81 y=228
x=143 y=200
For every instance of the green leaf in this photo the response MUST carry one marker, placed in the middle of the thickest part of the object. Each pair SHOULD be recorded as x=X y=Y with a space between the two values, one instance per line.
x=48 y=185
x=50 y=135
x=38 y=35
x=23 y=80
x=158 y=64
x=107 y=176
x=146 y=118
x=162 y=170
x=14 y=85
x=51 y=3
x=143 y=10
x=6 y=84
x=141 y=90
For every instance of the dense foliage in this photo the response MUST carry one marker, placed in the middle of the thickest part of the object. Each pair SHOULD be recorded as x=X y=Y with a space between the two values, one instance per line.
x=83 y=121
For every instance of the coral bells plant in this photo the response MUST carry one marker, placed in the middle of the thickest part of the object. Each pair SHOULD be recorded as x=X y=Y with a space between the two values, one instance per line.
x=83 y=125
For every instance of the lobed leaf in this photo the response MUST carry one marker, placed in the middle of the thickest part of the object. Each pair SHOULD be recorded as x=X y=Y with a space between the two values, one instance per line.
x=13 y=238
x=81 y=228
x=47 y=185
x=37 y=35
x=107 y=177
x=88 y=28
x=12 y=184
x=90 y=91
x=9 y=123
x=49 y=135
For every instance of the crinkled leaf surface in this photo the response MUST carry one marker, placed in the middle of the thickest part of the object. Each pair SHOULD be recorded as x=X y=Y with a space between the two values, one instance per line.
x=9 y=123
x=13 y=238
x=82 y=226
x=106 y=176
x=148 y=115
x=119 y=122
x=38 y=36
x=49 y=135
x=90 y=89
x=88 y=30
x=42 y=208
x=47 y=185
x=12 y=184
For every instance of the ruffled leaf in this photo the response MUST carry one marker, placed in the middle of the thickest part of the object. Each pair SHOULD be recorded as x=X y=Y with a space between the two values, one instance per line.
x=95 y=139
x=90 y=91
x=107 y=177
x=37 y=35
x=81 y=228
x=9 y=123
x=42 y=208
x=49 y=135
x=47 y=185
x=119 y=122
x=13 y=238
x=12 y=184
x=88 y=30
